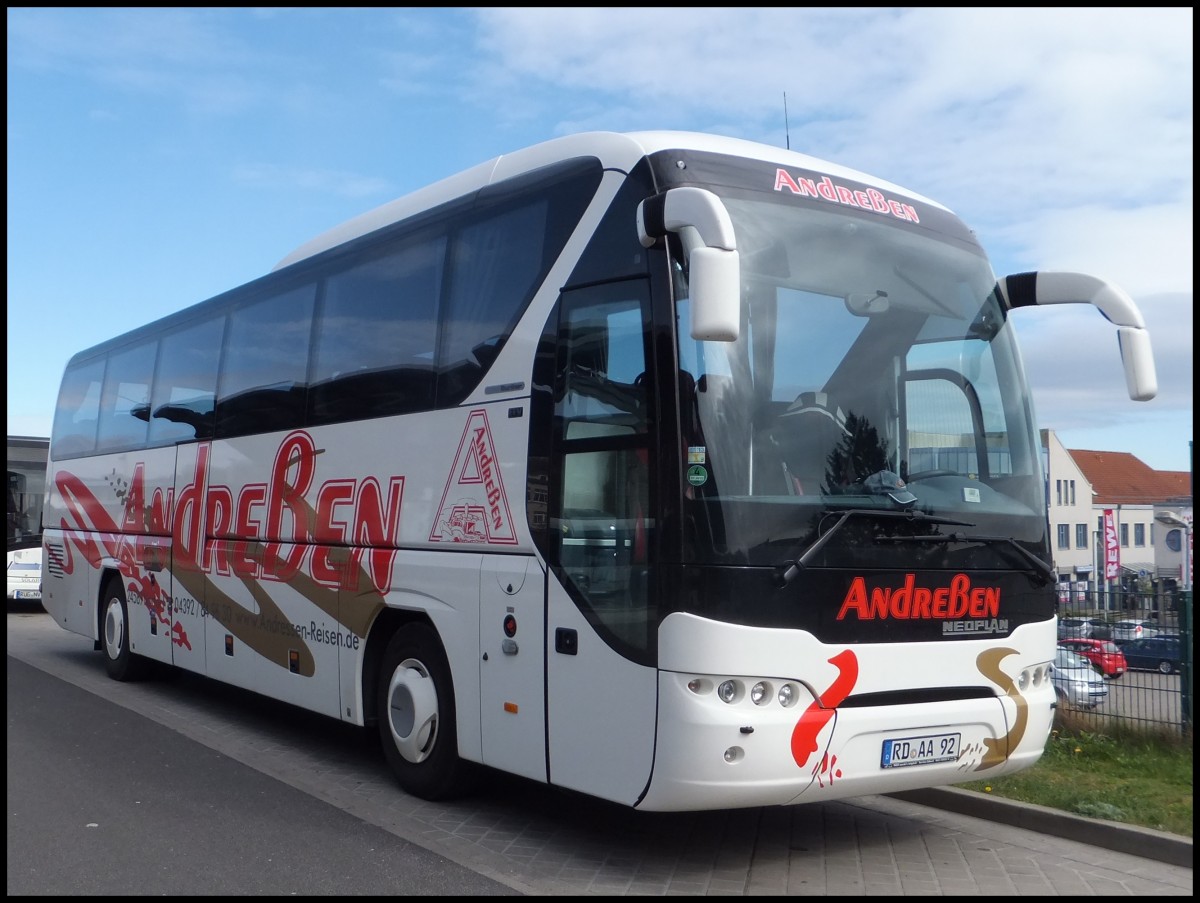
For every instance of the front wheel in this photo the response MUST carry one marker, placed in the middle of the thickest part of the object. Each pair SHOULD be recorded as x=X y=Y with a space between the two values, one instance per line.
x=119 y=659
x=1165 y=668
x=416 y=716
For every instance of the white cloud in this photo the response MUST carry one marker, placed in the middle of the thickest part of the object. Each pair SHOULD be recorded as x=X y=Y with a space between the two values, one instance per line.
x=1146 y=250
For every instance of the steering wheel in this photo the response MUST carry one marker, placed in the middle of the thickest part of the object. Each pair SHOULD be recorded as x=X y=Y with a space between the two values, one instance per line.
x=930 y=474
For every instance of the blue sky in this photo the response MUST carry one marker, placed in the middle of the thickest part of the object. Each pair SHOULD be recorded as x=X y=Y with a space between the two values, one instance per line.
x=158 y=157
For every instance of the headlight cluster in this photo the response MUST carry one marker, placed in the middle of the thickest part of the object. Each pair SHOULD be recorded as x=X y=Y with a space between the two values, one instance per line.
x=1033 y=677
x=734 y=690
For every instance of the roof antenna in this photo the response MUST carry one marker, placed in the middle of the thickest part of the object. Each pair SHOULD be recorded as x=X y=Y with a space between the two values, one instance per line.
x=787 y=135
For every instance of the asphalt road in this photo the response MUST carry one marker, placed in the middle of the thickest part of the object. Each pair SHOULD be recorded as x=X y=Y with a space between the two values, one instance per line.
x=179 y=785
x=102 y=800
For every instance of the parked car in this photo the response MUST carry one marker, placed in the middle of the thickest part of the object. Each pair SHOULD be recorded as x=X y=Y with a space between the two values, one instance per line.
x=1133 y=629
x=25 y=575
x=1084 y=628
x=1159 y=653
x=1105 y=655
x=1077 y=684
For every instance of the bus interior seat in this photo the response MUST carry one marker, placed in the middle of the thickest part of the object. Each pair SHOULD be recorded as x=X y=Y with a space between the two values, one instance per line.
x=795 y=449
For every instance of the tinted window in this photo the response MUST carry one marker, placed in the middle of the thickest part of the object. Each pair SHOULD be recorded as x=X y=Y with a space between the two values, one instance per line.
x=264 y=371
x=74 y=431
x=390 y=335
x=497 y=262
x=497 y=267
x=185 y=388
x=377 y=334
x=125 y=401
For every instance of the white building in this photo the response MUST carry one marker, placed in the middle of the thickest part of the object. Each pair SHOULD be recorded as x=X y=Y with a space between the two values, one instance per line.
x=1151 y=525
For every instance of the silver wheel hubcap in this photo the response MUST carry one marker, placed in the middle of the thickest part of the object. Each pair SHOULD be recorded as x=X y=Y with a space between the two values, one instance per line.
x=114 y=630
x=412 y=711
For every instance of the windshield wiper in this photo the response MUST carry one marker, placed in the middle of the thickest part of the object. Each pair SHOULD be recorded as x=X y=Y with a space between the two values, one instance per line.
x=786 y=572
x=1039 y=567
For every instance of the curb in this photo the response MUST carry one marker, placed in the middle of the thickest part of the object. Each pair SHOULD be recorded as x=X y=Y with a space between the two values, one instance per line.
x=1148 y=843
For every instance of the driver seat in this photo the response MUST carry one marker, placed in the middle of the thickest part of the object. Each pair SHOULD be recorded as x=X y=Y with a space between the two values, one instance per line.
x=801 y=440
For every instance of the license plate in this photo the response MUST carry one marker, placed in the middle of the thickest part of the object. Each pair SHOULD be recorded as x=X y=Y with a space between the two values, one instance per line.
x=27 y=594
x=901 y=751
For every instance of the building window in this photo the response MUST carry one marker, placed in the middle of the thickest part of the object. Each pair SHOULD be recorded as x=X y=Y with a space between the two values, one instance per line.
x=1081 y=536
x=1058 y=491
x=1064 y=536
x=1139 y=534
x=1124 y=536
x=1072 y=492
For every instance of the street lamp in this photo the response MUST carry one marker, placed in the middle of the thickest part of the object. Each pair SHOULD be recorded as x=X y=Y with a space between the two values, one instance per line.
x=1171 y=519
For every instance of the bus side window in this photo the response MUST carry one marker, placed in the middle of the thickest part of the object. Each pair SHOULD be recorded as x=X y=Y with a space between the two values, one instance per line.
x=185 y=387
x=376 y=335
x=263 y=381
x=75 y=418
x=124 y=411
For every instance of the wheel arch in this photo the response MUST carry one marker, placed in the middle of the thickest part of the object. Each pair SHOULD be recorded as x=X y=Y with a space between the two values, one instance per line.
x=386 y=624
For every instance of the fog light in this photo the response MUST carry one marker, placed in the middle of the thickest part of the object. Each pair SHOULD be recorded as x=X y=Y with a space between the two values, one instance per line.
x=787 y=695
x=759 y=692
x=727 y=692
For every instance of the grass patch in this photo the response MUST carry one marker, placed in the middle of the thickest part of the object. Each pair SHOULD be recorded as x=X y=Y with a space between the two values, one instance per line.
x=1138 y=777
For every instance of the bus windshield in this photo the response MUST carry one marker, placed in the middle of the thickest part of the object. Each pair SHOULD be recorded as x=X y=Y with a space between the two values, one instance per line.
x=874 y=369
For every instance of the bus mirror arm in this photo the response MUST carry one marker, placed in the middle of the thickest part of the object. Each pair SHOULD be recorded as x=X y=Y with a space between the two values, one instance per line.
x=1029 y=289
x=714 y=269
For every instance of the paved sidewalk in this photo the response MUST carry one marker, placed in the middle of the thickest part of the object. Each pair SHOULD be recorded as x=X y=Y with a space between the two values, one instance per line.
x=1173 y=849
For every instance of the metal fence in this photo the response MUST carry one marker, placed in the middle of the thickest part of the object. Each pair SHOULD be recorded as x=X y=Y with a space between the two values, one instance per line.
x=1147 y=699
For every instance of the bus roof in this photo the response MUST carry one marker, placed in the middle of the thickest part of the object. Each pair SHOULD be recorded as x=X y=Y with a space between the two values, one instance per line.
x=615 y=150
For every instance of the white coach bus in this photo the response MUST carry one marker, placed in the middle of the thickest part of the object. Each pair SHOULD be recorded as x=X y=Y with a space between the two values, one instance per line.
x=673 y=469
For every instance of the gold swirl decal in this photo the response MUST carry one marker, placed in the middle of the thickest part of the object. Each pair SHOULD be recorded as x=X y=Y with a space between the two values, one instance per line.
x=997 y=749
x=268 y=631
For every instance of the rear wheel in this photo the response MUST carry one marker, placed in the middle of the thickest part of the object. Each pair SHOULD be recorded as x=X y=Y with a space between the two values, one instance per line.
x=1165 y=667
x=119 y=658
x=416 y=716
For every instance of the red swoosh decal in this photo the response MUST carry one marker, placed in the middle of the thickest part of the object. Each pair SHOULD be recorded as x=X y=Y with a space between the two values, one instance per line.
x=821 y=710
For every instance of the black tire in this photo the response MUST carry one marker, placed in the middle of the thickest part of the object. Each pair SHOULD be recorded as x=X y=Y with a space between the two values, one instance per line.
x=119 y=659
x=1166 y=668
x=416 y=709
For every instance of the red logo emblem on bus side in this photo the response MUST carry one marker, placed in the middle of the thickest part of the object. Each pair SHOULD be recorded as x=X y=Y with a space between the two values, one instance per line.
x=474 y=506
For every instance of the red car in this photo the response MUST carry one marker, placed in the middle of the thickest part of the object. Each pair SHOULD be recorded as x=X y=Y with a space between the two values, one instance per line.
x=1104 y=654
